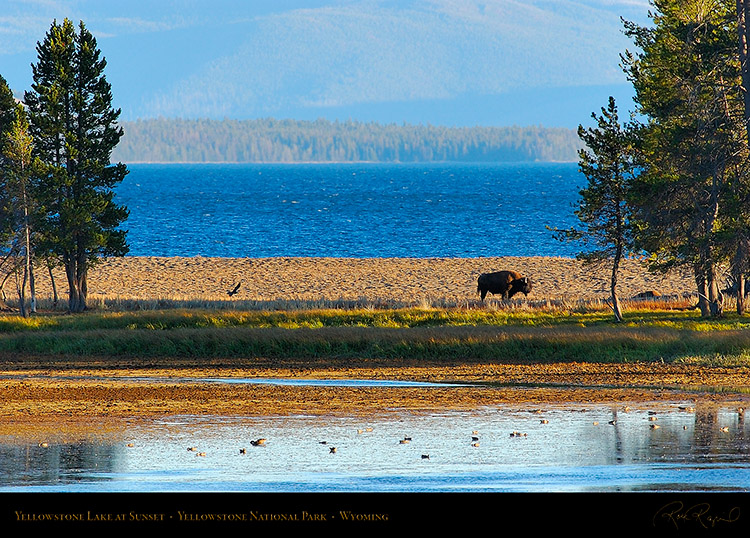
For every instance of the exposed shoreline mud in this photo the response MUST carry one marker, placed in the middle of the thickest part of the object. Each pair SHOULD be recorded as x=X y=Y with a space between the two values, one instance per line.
x=63 y=396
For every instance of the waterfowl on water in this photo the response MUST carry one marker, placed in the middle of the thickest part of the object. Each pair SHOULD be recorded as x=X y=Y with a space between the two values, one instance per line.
x=544 y=421
x=654 y=426
x=258 y=442
x=243 y=451
x=725 y=429
x=332 y=450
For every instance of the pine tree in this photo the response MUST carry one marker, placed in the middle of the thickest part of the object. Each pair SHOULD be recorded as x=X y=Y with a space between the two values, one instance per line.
x=741 y=261
x=16 y=149
x=687 y=84
x=7 y=106
x=609 y=167
x=75 y=130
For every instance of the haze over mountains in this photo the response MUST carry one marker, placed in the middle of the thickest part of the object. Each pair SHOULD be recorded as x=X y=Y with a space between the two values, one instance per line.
x=438 y=62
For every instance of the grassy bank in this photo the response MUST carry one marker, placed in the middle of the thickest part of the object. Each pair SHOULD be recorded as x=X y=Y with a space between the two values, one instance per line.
x=352 y=336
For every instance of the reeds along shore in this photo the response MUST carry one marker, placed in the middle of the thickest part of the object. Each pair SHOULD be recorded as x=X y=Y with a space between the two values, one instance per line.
x=292 y=283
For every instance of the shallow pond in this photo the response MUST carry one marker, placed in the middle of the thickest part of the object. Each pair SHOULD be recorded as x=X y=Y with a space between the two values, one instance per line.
x=554 y=448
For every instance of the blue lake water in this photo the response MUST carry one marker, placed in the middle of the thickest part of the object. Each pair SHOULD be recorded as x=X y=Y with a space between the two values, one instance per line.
x=350 y=210
x=563 y=448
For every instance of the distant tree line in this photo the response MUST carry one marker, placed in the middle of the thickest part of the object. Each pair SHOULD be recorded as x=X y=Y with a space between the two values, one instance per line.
x=282 y=141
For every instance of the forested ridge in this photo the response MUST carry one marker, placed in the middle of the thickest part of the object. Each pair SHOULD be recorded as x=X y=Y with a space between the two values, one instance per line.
x=272 y=140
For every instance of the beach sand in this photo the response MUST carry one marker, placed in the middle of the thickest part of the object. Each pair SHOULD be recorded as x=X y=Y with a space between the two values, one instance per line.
x=443 y=281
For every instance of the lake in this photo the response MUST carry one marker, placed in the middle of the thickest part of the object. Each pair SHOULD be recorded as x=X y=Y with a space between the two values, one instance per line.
x=350 y=210
x=556 y=448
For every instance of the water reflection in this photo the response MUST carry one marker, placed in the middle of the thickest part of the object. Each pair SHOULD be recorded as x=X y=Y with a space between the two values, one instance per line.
x=50 y=463
x=561 y=448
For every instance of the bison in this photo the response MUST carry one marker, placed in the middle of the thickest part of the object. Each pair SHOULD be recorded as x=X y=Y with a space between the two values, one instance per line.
x=507 y=283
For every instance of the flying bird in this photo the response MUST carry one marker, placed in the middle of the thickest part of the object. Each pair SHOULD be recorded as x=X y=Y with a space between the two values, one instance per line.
x=235 y=290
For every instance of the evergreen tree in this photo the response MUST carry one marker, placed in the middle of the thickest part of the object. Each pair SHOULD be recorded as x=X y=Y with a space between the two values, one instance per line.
x=7 y=106
x=7 y=221
x=741 y=262
x=692 y=143
x=609 y=167
x=16 y=149
x=75 y=130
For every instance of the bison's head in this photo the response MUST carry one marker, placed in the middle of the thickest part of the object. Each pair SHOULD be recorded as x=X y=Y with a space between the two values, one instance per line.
x=520 y=285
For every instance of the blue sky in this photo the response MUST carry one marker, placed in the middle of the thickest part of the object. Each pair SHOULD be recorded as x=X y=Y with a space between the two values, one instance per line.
x=450 y=62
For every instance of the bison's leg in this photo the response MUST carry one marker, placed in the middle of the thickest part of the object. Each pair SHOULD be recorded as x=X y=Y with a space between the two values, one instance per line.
x=483 y=294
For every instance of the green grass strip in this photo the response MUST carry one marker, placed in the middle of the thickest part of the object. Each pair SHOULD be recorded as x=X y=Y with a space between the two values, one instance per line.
x=524 y=344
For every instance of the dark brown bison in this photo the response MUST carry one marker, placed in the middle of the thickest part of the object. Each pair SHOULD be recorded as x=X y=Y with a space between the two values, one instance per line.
x=507 y=283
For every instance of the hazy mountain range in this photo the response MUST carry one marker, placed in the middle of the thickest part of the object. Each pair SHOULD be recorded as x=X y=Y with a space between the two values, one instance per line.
x=449 y=62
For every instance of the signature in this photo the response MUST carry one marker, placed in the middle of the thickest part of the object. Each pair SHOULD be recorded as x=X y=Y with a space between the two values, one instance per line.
x=677 y=513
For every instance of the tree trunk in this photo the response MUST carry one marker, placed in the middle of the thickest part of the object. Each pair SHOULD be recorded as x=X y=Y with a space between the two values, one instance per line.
x=32 y=289
x=28 y=270
x=615 y=300
x=76 y=293
x=715 y=297
x=743 y=30
x=54 y=286
x=22 y=293
x=741 y=294
x=739 y=270
x=702 y=284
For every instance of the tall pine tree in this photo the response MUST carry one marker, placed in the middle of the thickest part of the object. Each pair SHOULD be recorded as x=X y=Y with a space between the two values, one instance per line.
x=609 y=166
x=75 y=129
x=693 y=142
x=16 y=148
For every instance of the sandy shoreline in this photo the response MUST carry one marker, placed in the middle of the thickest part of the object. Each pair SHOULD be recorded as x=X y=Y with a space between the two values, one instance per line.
x=408 y=280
